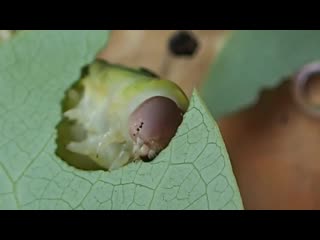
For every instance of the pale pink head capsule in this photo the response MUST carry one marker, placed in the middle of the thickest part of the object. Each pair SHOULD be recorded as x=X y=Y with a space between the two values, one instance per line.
x=153 y=124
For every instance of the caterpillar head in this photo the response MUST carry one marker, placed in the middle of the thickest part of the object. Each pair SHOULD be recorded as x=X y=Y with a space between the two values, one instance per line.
x=152 y=125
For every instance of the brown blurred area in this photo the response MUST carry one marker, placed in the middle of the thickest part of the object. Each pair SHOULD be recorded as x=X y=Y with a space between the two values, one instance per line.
x=273 y=145
x=149 y=49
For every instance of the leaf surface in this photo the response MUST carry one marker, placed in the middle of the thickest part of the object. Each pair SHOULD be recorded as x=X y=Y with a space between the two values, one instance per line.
x=36 y=67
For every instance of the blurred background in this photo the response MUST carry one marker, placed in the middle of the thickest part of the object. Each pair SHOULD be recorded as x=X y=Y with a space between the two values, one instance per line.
x=150 y=49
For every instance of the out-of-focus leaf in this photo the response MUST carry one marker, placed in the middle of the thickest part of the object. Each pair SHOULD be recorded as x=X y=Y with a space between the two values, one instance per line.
x=252 y=60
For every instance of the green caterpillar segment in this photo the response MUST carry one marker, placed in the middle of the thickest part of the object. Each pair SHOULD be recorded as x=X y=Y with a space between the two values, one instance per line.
x=154 y=87
x=111 y=101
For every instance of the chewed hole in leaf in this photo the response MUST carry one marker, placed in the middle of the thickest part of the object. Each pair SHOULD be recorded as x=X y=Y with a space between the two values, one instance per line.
x=66 y=130
x=114 y=116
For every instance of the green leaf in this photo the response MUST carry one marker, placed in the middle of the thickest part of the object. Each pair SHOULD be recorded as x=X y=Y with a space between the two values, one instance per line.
x=194 y=172
x=252 y=60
